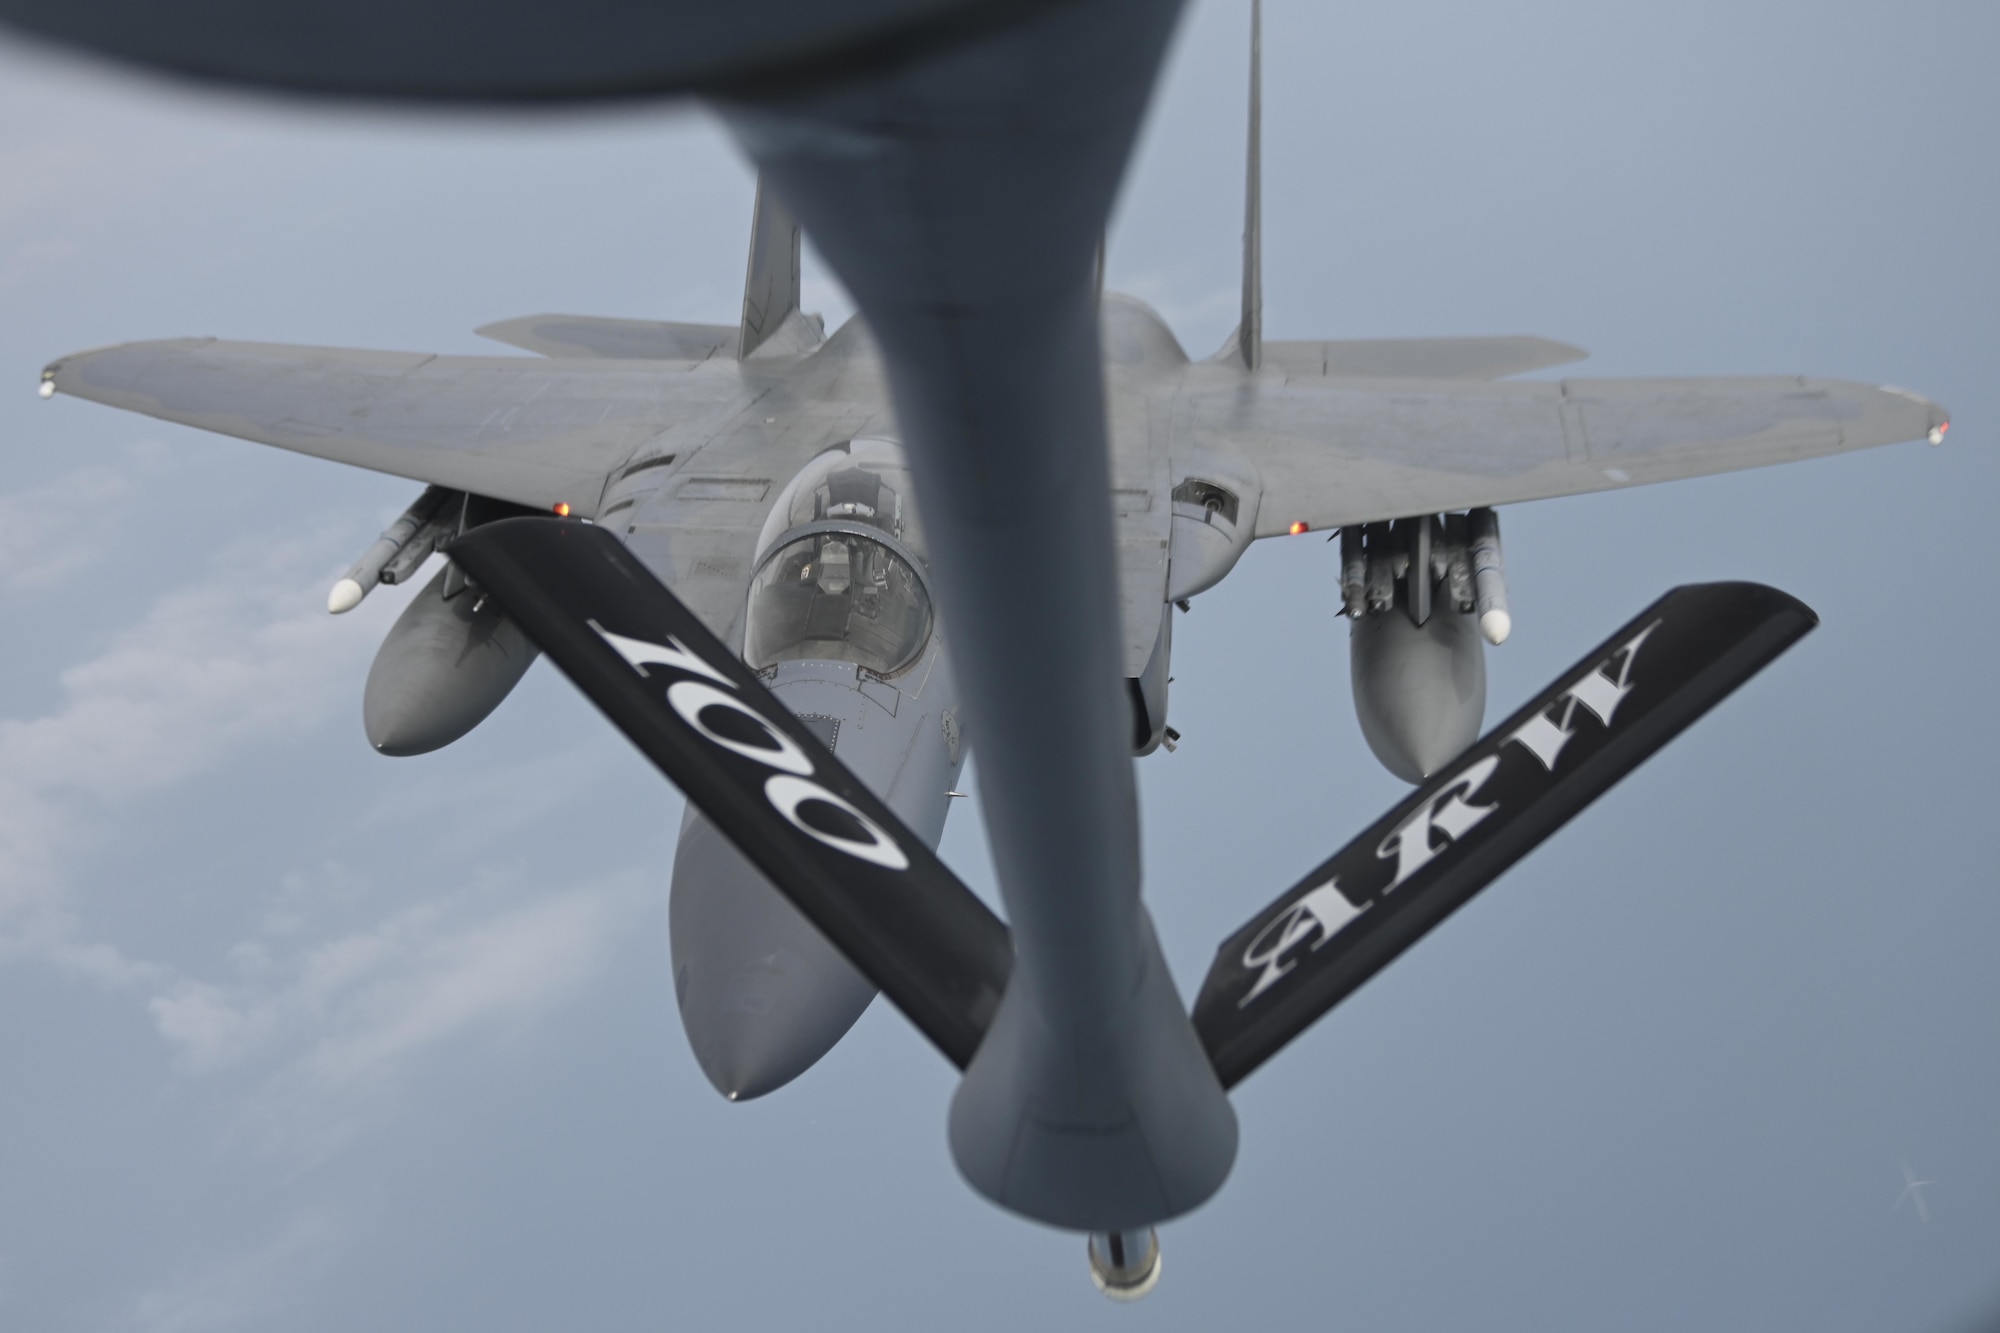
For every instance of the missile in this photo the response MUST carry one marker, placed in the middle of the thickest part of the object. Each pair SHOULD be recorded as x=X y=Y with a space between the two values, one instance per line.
x=1489 y=578
x=398 y=551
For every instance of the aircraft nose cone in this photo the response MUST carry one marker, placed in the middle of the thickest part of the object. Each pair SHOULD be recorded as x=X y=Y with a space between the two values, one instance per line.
x=770 y=1026
x=762 y=994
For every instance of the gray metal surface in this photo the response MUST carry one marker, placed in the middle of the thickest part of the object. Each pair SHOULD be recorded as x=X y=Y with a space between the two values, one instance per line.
x=1419 y=358
x=1246 y=345
x=1089 y=1104
x=513 y=50
x=1419 y=691
x=1352 y=451
x=612 y=339
x=762 y=994
x=442 y=670
x=533 y=432
x=771 y=284
x=1329 y=450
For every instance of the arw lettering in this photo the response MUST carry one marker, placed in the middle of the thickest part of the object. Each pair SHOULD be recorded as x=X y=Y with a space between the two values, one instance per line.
x=1601 y=692
x=1324 y=909
x=1450 y=813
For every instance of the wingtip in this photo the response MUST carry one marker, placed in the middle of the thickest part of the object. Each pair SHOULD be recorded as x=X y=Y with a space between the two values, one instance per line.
x=1937 y=417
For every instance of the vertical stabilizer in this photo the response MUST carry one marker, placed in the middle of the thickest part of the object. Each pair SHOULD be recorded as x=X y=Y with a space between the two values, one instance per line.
x=1250 y=333
x=1246 y=345
x=771 y=287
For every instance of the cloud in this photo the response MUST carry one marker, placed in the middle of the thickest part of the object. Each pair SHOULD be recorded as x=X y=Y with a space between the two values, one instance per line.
x=511 y=964
x=241 y=657
x=51 y=532
x=323 y=1000
x=360 y=1001
x=338 y=1023
x=235 y=1292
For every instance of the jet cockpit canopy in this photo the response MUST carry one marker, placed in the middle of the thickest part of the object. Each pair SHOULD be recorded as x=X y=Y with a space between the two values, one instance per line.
x=840 y=570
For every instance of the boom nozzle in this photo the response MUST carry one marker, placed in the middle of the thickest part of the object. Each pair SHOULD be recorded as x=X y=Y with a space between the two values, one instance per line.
x=1125 y=1265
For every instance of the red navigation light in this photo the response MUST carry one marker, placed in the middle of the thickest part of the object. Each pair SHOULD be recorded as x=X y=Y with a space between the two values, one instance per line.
x=1301 y=526
x=562 y=509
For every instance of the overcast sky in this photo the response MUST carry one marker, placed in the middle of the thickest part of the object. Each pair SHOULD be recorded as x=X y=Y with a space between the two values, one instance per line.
x=296 y=1037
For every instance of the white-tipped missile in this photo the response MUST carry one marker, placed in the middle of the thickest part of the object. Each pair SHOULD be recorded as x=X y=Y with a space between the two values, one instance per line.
x=1489 y=577
x=366 y=572
x=345 y=596
x=362 y=577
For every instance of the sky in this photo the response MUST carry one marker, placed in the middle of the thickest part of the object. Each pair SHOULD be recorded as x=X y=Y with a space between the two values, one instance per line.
x=294 y=1036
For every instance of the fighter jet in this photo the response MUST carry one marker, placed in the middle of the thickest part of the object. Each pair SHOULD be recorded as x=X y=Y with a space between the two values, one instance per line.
x=805 y=572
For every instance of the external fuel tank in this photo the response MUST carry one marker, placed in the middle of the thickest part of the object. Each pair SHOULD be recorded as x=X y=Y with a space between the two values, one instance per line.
x=1418 y=662
x=1419 y=690
x=446 y=664
x=762 y=994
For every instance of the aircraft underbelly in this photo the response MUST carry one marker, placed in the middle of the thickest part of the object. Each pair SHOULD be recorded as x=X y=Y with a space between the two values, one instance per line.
x=1142 y=521
x=762 y=994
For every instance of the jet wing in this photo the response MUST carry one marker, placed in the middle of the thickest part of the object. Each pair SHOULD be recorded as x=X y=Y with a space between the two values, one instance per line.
x=530 y=431
x=616 y=339
x=533 y=432
x=1333 y=452
x=1420 y=358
